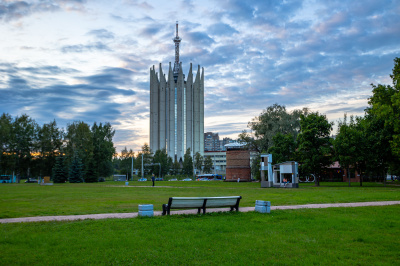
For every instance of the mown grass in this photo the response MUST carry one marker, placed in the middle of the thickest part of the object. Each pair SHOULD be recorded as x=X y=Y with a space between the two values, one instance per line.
x=345 y=236
x=25 y=200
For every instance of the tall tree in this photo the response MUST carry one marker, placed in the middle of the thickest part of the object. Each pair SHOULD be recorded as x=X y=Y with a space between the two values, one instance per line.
x=103 y=148
x=6 y=128
x=315 y=151
x=79 y=140
x=187 y=163
x=147 y=159
x=384 y=105
x=49 y=144
x=91 y=174
x=126 y=158
x=283 y=148
x=348 y=144
x=161 y=157
x=208 y=164
x=23 y=137
x=76 y=169
x=198 y=161
x=60 y=173
x=275 y=119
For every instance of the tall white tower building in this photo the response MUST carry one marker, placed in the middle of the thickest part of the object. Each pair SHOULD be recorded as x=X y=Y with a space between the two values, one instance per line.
x=177 y=109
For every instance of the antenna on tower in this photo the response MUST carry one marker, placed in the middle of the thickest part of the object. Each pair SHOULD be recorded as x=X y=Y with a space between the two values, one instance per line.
x=176 y=40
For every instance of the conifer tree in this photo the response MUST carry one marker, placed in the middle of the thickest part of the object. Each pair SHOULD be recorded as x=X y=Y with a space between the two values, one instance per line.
x=76 y=170
x=91 y=174
x=60 y=174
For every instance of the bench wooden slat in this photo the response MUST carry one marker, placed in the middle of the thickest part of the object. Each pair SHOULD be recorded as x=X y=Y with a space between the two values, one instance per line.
x=221 y=202
x=187 y=203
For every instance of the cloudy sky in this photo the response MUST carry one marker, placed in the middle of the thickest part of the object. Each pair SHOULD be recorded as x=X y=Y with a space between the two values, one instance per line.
x=77 y=60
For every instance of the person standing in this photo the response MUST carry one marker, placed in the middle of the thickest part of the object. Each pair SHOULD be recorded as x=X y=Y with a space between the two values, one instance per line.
x=153 y=178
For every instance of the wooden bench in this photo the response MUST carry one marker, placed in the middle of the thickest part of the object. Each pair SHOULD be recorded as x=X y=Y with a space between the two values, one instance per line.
x=201 y=203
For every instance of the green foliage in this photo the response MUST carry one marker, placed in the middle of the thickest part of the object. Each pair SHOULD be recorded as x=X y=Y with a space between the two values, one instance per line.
x=28 y=149
x=176 y=168
x=23 y=136
x=76 y=169
x=79 y=141
x=147 y=159
x=283 y=148
x=208 y=165
x=125 y=162
x=91 y=174
x=275 y=119
x=350 y=144
x=161 y=157
x=198 y=161
x=385 y=106
x=60 y=174
x=187 y=163
x=49 y=146
x=315 y=151
x=103 y=148
x=6 y=158
x=255 y=167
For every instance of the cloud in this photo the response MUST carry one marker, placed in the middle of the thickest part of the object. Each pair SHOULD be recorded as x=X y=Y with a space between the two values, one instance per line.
x=94 y=99
x=101 y=34
x=15 y=10
x=221 y=29
x=80 y=48
x=199 y=38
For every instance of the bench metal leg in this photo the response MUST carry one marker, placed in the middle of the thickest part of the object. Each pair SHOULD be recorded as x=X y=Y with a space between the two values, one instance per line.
x=198 y=210
x=164 y=209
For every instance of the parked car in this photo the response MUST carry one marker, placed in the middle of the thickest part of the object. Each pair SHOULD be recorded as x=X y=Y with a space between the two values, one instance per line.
x=31 y=180
x=173 y=179
x=142 y=179
x=187 y=179
x=159 y=179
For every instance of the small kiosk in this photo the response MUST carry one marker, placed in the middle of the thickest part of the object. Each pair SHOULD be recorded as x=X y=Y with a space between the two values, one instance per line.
x=278 y=175
x=286 y=174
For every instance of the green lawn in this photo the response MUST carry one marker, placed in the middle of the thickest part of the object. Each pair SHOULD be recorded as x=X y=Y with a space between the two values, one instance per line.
x=22 y=200
x=344 y=236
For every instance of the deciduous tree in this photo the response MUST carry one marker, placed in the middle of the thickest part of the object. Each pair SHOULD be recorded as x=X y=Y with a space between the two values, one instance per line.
x=315 y=147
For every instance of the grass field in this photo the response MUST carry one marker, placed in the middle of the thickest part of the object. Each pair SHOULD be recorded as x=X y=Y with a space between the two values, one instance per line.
x=333 y=236
x=347 y=236
x=22 y=200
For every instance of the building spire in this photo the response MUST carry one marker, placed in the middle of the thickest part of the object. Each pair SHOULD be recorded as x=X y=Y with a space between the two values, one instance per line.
x=176 y=40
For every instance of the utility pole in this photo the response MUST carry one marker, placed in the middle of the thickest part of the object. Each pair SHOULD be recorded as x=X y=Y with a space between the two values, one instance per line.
x=132 y=168
x=142 y=167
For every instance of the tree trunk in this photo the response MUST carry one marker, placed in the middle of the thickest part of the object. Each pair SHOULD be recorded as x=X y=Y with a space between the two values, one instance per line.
x=361 y=178
x=348 y=176
x=316 y=180
x=384 y=179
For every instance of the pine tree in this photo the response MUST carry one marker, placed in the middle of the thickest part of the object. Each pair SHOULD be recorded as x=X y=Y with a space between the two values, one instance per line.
x=91 y=175
x=76 y=170
x=59 y=170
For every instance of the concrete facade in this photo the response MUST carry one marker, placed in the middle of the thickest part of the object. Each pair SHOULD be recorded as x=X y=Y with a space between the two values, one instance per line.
x=177 y=109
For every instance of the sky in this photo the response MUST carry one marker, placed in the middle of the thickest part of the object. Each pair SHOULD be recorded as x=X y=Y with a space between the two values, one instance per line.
x=77 y=60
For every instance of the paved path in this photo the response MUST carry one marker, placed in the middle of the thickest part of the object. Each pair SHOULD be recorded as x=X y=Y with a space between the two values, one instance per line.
x=158 y=213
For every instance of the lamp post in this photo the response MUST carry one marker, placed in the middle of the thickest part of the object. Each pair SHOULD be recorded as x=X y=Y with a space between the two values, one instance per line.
x=142 y=167
x=132 y=168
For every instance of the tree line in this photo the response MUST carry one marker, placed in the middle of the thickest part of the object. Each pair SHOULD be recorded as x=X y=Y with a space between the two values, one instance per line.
x=160 y=161
x=368 y=144
x=81 y=153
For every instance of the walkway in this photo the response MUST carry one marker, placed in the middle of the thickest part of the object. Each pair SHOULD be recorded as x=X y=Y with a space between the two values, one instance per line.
x=158 y=213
